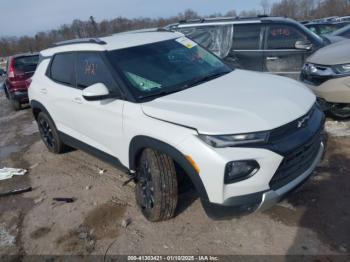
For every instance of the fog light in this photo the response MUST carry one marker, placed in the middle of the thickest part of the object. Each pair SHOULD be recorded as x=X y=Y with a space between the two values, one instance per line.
x=239 y=170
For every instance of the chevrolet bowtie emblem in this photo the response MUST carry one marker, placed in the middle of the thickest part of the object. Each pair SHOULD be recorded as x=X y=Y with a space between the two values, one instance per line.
x=303 y=122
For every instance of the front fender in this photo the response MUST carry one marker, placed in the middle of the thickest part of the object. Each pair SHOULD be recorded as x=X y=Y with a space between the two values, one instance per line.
x=139 y=143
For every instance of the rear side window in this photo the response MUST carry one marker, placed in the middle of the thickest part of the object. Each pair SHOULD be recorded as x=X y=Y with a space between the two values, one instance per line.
x=283 y=37
x=62 y=69
x=91 y=69
x=26 y=63
x=246 y=37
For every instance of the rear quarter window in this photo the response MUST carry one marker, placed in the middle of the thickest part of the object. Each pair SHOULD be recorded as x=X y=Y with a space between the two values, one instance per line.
x=62 y=69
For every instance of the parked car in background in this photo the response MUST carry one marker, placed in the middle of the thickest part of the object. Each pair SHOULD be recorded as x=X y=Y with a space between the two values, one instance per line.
x=268 y=44
x=20 y=69
x=327 y=73
x=342 y=32
x=170 y=112
x=325 y=28
x=327 y=19
x=344 y=18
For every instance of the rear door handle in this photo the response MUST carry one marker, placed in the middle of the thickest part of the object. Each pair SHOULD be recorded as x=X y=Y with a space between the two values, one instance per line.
x=43 y=90
x=78 y=100
x=272 y=58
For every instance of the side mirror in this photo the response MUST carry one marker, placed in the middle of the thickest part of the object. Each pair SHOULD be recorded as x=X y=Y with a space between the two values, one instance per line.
x=96 y=92
x=304 y=45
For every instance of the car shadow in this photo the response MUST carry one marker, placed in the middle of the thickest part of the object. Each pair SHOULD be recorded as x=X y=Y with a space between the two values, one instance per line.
x=185 y=200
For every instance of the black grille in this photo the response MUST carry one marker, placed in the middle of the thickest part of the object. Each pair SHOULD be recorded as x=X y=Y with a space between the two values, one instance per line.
x=290 y=128
x=297 y=162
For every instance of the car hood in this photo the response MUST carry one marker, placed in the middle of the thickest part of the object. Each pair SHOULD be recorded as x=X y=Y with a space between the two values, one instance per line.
x=239 y=102
x=333 y=38
x=335 y=54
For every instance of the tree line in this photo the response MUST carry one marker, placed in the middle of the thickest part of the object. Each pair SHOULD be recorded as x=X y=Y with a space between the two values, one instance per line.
x=297 y=9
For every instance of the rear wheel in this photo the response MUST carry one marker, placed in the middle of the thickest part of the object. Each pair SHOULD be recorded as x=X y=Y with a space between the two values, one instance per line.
x=16 y=105
x=340 y=111
x=6 y=93
x=156 y=188
x=49 y=134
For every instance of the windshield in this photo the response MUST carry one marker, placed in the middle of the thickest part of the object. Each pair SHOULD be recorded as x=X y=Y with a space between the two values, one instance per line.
x=166 y=67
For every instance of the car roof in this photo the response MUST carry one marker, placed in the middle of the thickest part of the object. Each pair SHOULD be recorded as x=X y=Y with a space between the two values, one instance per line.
x=113 y=42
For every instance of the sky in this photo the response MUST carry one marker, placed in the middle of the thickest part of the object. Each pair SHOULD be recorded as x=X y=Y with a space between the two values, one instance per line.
x=27 y=17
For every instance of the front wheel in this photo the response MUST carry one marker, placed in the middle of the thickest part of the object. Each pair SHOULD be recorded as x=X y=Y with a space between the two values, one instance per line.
x=340 y=111
x=156 y=188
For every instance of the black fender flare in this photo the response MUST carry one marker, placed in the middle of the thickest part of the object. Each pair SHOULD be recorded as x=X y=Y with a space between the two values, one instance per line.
x=37 y=105
x=139 y=143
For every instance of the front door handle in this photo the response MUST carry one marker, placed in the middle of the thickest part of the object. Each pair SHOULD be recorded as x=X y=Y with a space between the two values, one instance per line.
x=272 y=58
x=43 y=90
x=78 y=100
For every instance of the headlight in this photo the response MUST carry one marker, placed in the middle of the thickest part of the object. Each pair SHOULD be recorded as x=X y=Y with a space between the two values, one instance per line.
x=342 y=69
x=310 y=68
x=235 y=140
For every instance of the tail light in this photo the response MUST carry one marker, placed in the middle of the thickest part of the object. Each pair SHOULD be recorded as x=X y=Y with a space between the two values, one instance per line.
x=13 y=74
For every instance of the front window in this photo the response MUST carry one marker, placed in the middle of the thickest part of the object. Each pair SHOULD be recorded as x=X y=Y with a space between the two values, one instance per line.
x=166 y=67
x=284 y=37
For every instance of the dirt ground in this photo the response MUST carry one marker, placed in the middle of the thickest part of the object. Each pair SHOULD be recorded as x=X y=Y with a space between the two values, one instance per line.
x=314 y=220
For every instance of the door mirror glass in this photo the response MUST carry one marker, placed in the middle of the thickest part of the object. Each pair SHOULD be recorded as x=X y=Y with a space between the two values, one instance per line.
x=96 y=92
x=304 y=45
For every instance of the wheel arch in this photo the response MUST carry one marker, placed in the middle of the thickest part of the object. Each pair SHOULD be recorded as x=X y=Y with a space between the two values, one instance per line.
x=37 y=107
x=139 y=143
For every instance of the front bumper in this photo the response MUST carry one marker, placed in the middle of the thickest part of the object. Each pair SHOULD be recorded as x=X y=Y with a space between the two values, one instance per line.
x=330 y=88
x=242 y=205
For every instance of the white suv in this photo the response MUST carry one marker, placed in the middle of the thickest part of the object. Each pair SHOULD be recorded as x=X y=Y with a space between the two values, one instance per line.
x=165 y=109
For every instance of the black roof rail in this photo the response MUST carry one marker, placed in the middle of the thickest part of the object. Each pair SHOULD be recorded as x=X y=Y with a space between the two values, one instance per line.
x=217 y=19
x=80 y=41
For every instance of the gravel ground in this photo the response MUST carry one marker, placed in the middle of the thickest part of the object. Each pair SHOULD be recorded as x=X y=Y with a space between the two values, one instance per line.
x=314 y=220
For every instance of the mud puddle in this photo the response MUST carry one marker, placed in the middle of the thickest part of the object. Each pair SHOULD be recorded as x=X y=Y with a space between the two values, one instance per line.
x=7 y=151
x=102 y=222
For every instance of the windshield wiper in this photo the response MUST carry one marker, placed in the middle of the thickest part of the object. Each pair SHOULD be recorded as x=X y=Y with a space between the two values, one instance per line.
x=206 y=78
x=188 y=85
x=161 y=93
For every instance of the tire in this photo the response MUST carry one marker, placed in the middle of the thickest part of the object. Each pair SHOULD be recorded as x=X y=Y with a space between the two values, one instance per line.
x=156 y=188
x=49 y=134
x=340 y=111
x=6 y=93
x=16 y=105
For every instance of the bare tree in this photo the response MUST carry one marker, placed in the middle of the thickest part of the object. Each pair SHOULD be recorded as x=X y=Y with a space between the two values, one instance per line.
x=297 y=9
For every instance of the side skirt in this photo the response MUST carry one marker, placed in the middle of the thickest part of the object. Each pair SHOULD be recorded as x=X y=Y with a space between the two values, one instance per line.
x=72 y=142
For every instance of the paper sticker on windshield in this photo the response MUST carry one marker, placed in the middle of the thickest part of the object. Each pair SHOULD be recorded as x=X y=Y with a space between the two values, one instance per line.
x=186 y=42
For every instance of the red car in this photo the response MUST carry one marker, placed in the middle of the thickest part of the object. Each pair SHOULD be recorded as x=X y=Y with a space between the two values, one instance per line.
x=20 y=68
